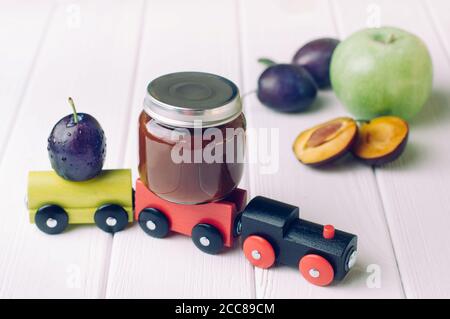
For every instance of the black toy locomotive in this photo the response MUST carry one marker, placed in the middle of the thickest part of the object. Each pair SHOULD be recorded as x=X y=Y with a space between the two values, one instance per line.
x=272 y=231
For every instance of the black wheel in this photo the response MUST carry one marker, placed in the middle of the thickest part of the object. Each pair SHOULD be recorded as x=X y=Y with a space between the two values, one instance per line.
x=51 y=219
x=154 y=223
x=111 y=218
x=207 y=238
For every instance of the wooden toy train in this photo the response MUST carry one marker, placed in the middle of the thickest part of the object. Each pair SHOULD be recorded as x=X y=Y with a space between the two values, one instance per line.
x=188 y=182
x=271 y=231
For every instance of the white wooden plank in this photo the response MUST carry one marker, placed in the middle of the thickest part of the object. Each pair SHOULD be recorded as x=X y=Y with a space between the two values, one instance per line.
x=200 y=35
x=438 y=9
x=23 y=26
x=415 y=188
x=93 y=61
x=345 y=195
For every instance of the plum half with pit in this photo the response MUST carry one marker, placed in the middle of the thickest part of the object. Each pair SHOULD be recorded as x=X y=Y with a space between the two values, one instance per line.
x=77 y=146
x=315 y=56
x=326 y=142
x=381 y=140
x=286 y=88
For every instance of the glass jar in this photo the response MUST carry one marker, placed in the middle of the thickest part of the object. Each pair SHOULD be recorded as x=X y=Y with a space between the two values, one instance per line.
x=191 y=137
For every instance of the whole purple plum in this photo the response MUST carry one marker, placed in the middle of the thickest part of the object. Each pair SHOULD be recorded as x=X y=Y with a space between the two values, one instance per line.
x=286 y=88
x=315 y=56
x=77 y=146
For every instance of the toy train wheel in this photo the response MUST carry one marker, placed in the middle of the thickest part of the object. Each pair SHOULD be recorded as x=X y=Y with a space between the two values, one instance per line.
x=207 y=238
x=51 y=219
x=111 y=218
x=316 y=269
x=154 y=223
x=259 y=251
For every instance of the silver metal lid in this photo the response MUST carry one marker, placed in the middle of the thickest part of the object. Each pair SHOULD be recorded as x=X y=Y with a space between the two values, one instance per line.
x=183 y=99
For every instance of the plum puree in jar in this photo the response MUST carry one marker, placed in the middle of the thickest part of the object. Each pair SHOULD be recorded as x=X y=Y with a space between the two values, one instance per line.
x=191 y=137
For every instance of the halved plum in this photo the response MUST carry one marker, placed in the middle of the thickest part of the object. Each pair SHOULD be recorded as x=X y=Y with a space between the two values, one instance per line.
x=325 y=142
x=381 y=140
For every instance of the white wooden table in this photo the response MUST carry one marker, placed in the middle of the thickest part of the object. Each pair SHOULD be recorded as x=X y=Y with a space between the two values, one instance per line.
x=103 y=53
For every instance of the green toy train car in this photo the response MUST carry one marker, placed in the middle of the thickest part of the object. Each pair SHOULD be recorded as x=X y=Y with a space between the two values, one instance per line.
x=106 y=200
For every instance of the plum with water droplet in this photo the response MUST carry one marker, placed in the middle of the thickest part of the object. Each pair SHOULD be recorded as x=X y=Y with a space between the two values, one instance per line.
x=77 y=146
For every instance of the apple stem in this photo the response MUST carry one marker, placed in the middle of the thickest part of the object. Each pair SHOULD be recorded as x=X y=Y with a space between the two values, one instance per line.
x=267 y=62
x=75 y=115
x=390 y=39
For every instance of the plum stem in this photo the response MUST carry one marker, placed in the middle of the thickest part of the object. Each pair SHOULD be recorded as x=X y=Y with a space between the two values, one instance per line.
x=362 y=121
x=75 y=115
x=267 y=62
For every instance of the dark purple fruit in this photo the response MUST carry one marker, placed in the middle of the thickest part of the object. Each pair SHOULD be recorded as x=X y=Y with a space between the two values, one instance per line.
x=77 y=146
x=286 y=88
x=315 y=56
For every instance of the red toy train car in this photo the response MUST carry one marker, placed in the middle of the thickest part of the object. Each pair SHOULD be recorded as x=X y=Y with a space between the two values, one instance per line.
x=211 y=226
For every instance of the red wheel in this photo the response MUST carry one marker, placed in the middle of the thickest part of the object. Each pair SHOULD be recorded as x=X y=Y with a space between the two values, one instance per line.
x=259 y=251
x=316 y=269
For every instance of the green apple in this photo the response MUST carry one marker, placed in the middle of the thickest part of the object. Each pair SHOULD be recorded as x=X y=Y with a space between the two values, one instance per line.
x=382 y=71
